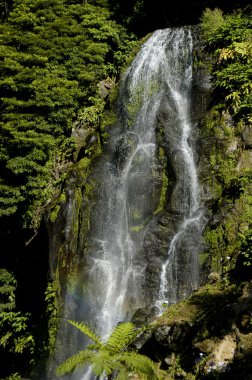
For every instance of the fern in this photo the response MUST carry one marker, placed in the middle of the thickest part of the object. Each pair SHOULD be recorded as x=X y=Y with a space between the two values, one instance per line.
x=102 y=363
x=80 y=359
x=86 y=330
x=110 y=358
x=139 y=364
x=121 y=337
x=122 y=375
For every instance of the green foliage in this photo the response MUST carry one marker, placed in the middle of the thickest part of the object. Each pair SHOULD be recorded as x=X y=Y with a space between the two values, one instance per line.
x=81 y=359
x=229 y=181
x=90 y=117
x=111 y=357
x=229 y=39
x=211 y=21
x=115 y=343
x=14 y=376
x=206 y=304
x=7 y=289
x=15 y=336
x=246 y=248
x=227 y=240
x=52 y=314
x=52 y=55
x=86 y=330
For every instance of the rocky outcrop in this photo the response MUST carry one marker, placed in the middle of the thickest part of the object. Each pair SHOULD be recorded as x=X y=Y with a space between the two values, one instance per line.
x=205 y=336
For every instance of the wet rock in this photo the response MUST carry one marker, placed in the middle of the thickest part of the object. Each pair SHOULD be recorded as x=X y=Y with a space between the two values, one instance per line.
x=174 y=337
x=162 y=334
x=247 y=137
x=141 y=340
x=144 y=316
x=105 y=87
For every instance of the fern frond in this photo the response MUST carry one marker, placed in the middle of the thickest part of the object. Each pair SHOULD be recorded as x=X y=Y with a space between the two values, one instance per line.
x=86 y=330
x=121 y=337
x=80 y=359
x=122 y=375
x=102 y=363
x=140 y=364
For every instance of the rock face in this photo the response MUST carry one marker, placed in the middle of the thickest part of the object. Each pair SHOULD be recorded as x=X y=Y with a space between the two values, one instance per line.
x=207 y=335
x=105 y=87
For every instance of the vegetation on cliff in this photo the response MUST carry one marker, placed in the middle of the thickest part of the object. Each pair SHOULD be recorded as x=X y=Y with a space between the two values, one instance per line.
x=52 y=55
x=228 y=124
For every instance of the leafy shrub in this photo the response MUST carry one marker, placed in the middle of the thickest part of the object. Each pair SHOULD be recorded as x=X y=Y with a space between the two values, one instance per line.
x=230 y=41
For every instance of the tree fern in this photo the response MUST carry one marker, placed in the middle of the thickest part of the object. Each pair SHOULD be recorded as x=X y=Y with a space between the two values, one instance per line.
x=139 y=364
x=102 y=363
x=122 y=336
x=81 y=359
x=86 y=330
x=111 y=358
x=122 y=375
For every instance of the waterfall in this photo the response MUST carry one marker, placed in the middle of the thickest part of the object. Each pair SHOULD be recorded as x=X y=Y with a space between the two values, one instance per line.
x=154 y=95
x=116 y=272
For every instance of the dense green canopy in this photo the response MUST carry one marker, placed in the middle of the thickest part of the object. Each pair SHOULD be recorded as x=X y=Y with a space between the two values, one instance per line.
x=52 y=55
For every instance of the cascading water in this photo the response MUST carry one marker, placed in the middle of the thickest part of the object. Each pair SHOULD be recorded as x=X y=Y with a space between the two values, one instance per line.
x=116 y=272
x=187 y=189
x=155 y=93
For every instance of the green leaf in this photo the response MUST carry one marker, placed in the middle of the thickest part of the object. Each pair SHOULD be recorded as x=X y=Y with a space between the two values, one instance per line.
x=102 y=362
x=122 y=335
x=139 y=364
x=86 y=330
x=122 y=375
x=81 y=359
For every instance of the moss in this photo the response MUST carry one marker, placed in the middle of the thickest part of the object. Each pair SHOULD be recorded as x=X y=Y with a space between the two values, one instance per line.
x=135 y=103
x=54 y=213
x=161 y=153
x=52 y=313
x=163 y=193
x=201 y=304
x=215 y=241
x=55 y=206
x=62 y=197
x=135 y=213
x=203 y=256
x=177 y=313
x=230 y=186
x=136 y=228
